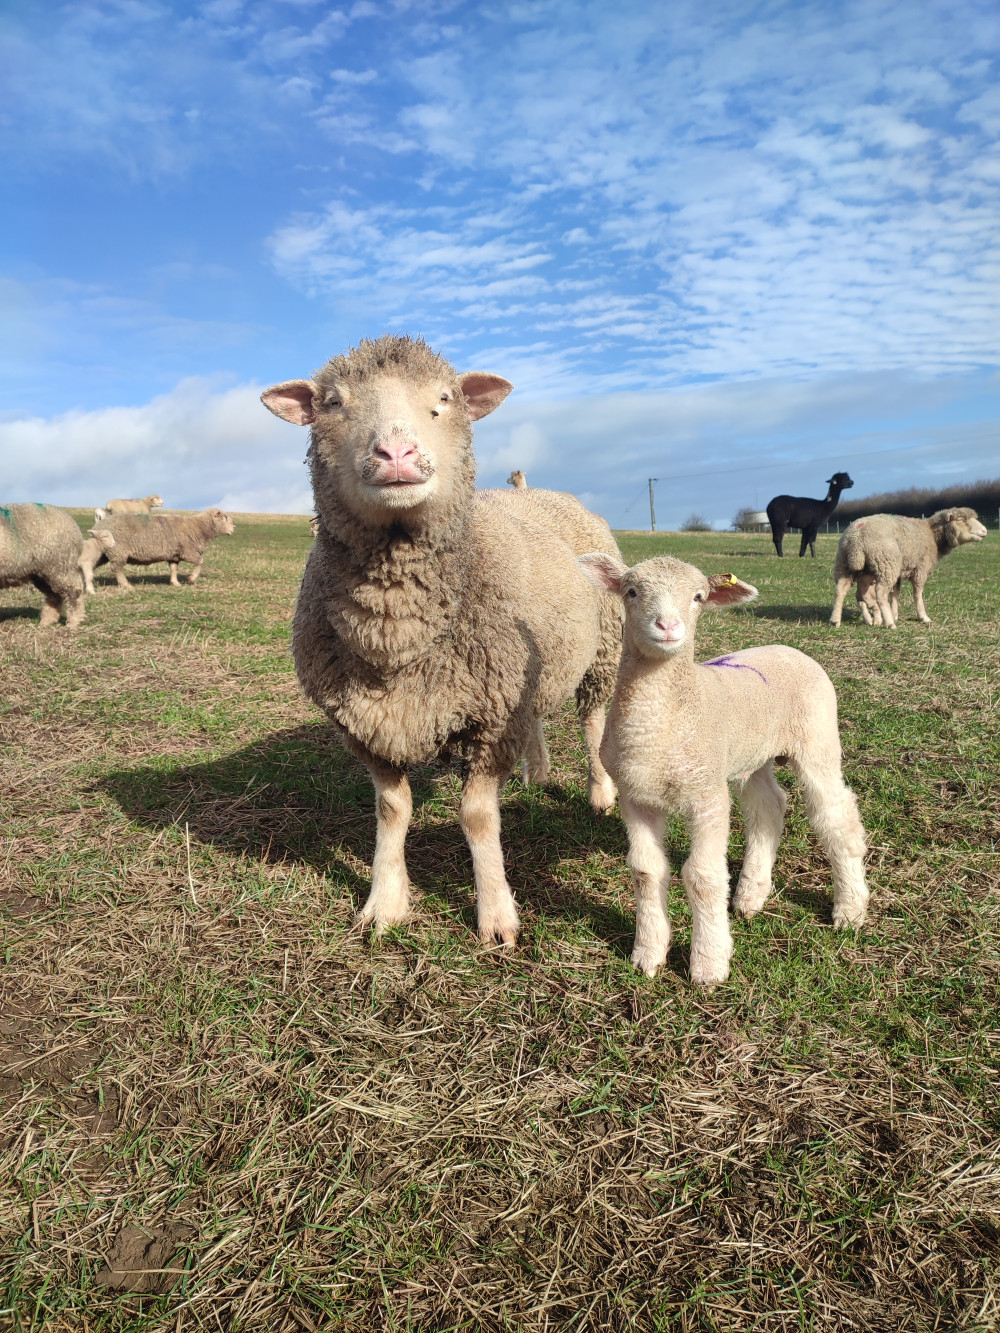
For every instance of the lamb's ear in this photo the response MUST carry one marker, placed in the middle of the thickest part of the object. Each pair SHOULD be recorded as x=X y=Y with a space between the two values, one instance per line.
x=602 y=569
x=483 y=392
x=105 y=537
x=728 y=590
x=293 y=401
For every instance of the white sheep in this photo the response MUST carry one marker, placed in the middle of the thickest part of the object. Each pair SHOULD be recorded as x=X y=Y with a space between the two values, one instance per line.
x=143 y=506
x=879 y=551
x=678 y=733
x=92 y=554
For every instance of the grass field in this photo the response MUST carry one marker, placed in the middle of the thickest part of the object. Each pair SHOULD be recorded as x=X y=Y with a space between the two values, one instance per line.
x=209 y=1079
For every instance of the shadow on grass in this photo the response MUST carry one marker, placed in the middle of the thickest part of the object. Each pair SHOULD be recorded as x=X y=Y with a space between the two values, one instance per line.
x=793 y=613
x=296 y=796
x=19 y=613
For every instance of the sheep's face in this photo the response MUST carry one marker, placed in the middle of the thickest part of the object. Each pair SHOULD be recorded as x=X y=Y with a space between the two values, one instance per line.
x=963 y=527
x=391 y=434
x=663 y=599
x=154 y=502
x=222 y=523
x=104 y=536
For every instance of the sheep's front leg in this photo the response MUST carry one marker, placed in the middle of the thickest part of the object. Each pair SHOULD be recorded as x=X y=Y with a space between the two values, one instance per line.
x=650 y=880
x=389 y=900
x=496 y=913
x=193 y=576
x=918 y=598
x=120 y=576
x=600 y=789
x=174 y=580
x=763 y=804
x=706 y=879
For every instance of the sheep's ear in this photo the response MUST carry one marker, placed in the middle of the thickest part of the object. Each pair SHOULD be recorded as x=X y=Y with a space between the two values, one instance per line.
x=728 y=590
x=483 y=392
x=293 y=401
x=602 y=569
x=105 y=537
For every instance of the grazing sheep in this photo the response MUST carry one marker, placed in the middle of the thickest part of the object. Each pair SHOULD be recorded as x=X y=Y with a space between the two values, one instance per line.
x=152 y=539
x=518 y=480
x=40 y=544
x=798 y=511
x=100 y=515
x=432 y=619
x=92 y=555
x=879 y=551
x=143 y=506
x=679 y=733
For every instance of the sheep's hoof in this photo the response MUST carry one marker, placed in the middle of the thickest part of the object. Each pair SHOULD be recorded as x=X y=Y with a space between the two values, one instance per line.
x=602 y=797
x=535 y=777
x=750 y=898
x=381 y=916
x=709 y=977
x=845 y=918
x=499 y=929
x=648 y=960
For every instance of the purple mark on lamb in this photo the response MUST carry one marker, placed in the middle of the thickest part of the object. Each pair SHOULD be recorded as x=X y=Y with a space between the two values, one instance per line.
x=727 y=661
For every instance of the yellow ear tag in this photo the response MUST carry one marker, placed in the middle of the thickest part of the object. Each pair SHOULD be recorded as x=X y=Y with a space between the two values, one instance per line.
x=727 y=580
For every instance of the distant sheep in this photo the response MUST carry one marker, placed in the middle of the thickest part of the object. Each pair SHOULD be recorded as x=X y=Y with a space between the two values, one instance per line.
x=40 y=544
x=518 y=480
x=152 y=539
x=435 y=619
x=143 y=506
x=879 y=551
x=679 y=733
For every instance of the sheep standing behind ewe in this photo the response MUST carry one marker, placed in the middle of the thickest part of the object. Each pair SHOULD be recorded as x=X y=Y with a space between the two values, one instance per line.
x=679 y=733
x=518 y=480
x=40 y=544
x=143 y=506
x=879 y=551
x=431 y=618
x=152 y=539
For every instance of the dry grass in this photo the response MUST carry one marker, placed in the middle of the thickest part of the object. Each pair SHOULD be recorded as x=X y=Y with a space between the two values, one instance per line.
x=222 y=1108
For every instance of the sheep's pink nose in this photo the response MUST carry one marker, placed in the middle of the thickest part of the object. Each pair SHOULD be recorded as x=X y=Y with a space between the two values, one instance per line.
x=395 y=448
x=668 y=627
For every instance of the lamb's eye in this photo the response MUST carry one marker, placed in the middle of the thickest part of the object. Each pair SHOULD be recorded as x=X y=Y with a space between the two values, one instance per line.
x=334 y=402
x=632 y=592
x=445 y=398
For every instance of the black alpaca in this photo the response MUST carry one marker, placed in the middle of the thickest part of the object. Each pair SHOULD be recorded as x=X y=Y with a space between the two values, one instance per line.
x=796 y=511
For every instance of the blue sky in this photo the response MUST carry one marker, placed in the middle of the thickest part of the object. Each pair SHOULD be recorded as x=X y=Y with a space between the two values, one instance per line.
x=734 y=246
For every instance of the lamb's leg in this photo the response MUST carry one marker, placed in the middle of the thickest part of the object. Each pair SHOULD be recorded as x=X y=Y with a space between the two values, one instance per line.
x=883 y=598
x=192 y=577
x=706 y=879
x=763 y=804
x=918 y=597
x=600 y=788
x=866 y=599
x=535 y=766
x=389 y=900
x=833 y=814
x=650 y=880
x=843 y=588
x=496 y=913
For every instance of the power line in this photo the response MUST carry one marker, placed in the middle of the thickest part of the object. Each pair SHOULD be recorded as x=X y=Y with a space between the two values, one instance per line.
x=789 y=462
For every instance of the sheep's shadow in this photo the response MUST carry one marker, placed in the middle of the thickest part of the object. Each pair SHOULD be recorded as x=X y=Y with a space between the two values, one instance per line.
x=20 y=613
x=298 y=797
x=775 y=611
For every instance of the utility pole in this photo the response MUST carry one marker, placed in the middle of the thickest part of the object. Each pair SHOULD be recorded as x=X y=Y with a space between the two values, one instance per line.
x=652 y=511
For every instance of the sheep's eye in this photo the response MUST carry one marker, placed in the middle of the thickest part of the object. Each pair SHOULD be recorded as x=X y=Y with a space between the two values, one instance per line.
x=632 y=592
x=699 y=597
x=445 y=398
x=334 y=402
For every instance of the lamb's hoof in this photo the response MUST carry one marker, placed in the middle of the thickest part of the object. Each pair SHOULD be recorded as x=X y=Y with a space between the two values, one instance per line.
x=535 y=777
x=648 y=960
x=750 y=898
x=602 y=797
x=709 y=976
x=379 y=918
x=849 y=918
x=499 y=929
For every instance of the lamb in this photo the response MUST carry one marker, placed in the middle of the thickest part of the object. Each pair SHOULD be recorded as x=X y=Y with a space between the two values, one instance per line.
x=879 y=551
x=143 y=506
x=92 y=555
x=431 y=618
x=40 y=544
x=149 y=539
x=518 y=480
x=798 y=511
x=678 y=733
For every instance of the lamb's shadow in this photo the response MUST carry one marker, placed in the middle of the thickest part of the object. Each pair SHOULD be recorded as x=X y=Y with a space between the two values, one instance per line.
x=298 y=797
x=793 y=613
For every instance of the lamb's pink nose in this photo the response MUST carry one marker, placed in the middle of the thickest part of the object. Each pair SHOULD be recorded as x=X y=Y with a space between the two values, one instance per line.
x=671 y=628
x=395 y=449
